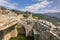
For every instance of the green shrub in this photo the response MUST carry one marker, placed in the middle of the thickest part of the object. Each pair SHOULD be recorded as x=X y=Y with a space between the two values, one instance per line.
x=19 y=37
x=35 y=17
x=26 y=15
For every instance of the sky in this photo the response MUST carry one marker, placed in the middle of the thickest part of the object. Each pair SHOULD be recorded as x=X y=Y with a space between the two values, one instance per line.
x=35 y=6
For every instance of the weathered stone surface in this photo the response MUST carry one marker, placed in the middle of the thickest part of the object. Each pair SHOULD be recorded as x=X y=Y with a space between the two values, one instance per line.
x=41 y=32
x=40 y=28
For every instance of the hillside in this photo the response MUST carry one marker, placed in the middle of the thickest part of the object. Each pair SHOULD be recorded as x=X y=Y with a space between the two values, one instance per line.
x=54 y=14
x=51 y=18
x=54 y=20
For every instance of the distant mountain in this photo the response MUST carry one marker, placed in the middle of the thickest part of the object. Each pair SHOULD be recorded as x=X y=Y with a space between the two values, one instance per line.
x=54 y=20
x=53 y=14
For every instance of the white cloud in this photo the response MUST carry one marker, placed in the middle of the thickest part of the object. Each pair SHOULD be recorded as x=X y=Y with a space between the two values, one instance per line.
x=41 y=5
x=53 y=10
x=37 y=6
x=8 y=4
x=49 y=11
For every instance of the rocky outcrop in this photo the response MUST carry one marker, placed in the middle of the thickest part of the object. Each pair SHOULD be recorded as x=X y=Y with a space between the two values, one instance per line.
x=8 y=33
x=41 y=29
x=42 y=32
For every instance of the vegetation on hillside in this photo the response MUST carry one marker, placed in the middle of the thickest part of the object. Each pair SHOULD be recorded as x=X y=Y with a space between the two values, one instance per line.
x=36 y=17
x=3 y=8
x=48 y=18
x=22 y=37
x=19 y=37
x=26 y=14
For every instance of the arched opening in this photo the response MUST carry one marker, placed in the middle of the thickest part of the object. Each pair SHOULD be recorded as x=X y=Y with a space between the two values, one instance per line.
x=21 y=34
x=21 y=31
x=30 y=36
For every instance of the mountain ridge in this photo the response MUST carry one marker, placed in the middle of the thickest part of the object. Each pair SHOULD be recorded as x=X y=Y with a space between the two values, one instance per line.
x=57 y=14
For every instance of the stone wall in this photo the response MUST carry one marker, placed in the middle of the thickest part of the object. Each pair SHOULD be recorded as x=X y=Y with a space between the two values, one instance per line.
x=8 y=33
x=14 y=33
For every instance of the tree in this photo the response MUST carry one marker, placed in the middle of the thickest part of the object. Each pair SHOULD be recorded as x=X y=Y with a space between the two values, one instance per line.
x=3 y=8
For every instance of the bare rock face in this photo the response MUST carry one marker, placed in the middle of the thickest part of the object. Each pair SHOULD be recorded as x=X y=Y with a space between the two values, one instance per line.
x=42 y=30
